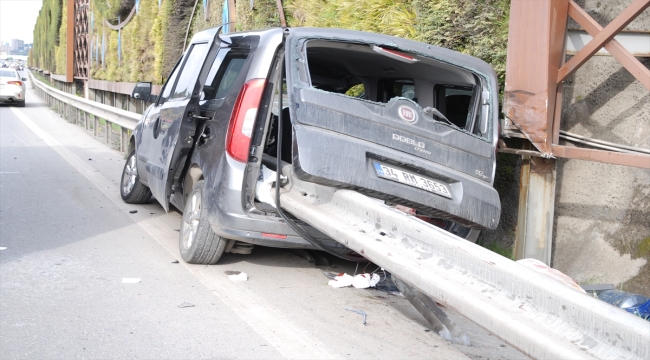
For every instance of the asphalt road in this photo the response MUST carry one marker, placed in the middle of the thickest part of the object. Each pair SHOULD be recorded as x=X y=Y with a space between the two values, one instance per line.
x=71 y=243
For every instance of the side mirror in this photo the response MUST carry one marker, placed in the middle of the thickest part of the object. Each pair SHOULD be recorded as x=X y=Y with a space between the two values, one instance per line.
x=142 y=91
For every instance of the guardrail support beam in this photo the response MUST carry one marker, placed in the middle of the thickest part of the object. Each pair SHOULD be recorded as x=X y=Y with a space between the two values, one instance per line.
x=534 y=234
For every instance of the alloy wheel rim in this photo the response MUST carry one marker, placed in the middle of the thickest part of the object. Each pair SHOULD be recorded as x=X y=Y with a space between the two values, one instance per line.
x=130 y=176
x=191 y=221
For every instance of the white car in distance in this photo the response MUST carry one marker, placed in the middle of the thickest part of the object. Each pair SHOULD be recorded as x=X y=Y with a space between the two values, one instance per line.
x=12 y=87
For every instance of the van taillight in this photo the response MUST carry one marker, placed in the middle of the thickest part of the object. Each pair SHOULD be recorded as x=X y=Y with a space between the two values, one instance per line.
x=242 y=120
x=19 y=83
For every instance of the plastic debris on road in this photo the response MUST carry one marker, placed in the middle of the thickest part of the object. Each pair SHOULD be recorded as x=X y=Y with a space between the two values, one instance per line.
x=360 y=313
x=238 y=277
x=131 y=280
x=3 y=248
x=360 y=281
x=388 y=286
x=635 y=304
x=185 y=305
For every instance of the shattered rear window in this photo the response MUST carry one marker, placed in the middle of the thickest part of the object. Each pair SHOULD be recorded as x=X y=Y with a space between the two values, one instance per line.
x=379 y=74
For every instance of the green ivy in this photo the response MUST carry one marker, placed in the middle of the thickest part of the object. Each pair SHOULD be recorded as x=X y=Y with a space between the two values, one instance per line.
x=46 y=35
x=153 y=40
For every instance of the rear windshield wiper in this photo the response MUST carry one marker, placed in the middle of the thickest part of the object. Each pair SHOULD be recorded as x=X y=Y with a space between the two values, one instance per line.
x=431 y=111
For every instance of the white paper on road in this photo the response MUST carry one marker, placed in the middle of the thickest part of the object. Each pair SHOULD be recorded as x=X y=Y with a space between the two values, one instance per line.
x=239 y=277
x=131 y=280
x=361 y=281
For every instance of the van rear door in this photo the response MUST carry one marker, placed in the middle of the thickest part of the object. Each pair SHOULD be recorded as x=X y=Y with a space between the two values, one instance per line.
x=397 y=119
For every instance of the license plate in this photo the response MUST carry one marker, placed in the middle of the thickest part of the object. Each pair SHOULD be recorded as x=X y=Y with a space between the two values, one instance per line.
x=408 y=178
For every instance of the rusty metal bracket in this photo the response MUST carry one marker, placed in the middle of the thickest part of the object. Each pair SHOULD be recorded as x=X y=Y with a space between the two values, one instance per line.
x=536 y=70
x=603 y=37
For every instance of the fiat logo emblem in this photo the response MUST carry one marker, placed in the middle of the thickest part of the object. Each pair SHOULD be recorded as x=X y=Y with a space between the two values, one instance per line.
x=407 y=114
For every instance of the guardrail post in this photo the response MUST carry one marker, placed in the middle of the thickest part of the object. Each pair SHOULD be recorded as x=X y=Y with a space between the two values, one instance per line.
x=132 y=106
x=124 y=133
x=109 y=130
x=118 y=101
x=95 y=126
x=85 y=119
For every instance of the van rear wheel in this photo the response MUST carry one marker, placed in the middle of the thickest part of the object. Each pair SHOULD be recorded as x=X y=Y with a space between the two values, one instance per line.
x=198 y=244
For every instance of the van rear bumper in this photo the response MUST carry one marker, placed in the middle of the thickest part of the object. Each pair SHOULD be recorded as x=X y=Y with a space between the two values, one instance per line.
x=334 y=159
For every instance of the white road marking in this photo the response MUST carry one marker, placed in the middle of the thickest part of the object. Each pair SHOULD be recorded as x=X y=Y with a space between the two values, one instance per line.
x=289 y=339
x=9 y=172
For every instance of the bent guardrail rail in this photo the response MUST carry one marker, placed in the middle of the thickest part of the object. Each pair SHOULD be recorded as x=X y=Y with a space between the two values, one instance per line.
x=537 y=315
x=79 y=108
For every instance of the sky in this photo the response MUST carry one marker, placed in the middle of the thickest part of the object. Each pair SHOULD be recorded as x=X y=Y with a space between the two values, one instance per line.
x=17 y=19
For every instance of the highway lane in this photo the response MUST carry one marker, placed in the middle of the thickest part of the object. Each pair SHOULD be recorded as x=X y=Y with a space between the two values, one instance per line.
x=70 y=241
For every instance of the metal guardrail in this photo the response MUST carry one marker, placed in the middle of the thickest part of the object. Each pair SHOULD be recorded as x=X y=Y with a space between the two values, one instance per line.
x=83 y=110
x=539 y=316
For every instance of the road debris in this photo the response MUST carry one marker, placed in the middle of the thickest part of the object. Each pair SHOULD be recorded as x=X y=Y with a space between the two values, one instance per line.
x=388 y=286
x=133 y=211
x=238 y=277
x=175 y=262
x=185 y=305
x=3 y=248
x=358 y=312
x=131 y=280
x=361 y=281
x=634 y=304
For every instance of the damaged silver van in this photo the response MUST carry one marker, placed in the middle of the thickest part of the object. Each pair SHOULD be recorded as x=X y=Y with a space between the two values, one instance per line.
x=405 y=122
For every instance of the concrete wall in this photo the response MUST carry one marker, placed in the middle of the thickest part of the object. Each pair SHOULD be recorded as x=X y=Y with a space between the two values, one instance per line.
x=602 y=213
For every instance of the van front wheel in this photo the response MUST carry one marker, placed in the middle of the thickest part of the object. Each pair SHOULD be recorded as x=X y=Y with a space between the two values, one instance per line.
x=197 y=243
x=131 y=189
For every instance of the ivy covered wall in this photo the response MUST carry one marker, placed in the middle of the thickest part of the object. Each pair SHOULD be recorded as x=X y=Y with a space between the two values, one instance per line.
x=46 y=36
x=152 y=41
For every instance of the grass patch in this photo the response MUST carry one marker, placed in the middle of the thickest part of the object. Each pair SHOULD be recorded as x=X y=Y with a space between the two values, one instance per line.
x=644 y=248
x=507 y=252
x=42 y=79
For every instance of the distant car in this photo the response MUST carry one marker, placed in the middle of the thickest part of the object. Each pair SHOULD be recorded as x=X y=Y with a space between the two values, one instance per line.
x=12 y=87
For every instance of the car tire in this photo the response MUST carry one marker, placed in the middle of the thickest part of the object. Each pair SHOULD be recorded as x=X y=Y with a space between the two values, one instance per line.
x=197 y=243
x=131 y=189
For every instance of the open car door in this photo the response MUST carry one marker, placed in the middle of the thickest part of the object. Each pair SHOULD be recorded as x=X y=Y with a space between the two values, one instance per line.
x=172 y=131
